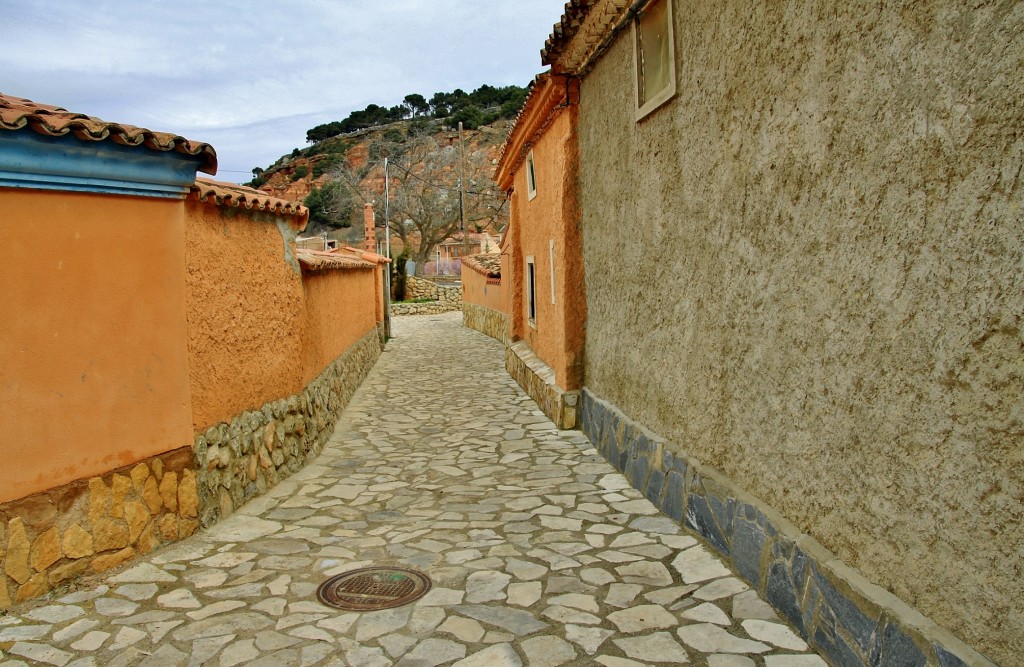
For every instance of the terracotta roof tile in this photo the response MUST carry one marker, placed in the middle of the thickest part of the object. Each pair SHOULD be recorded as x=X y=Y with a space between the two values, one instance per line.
x=363 y=254
x=487 y=263
x=231 y=194
x=582 y=33
x=17 y=114
x=323 y=260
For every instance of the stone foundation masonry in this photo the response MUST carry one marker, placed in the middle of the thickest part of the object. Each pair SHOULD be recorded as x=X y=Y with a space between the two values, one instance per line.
x=242 y=459
x=538 y=381
x=486 y=320
x=425 y=308
x=851 y=621
x=92 y=525
x=96 y=524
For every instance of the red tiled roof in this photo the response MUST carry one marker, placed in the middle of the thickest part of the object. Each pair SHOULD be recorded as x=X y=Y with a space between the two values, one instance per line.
x=323 y=260
x=17 y=114
x=582 y=32
x=231 y=194
x=487 y=264
x=363 y=254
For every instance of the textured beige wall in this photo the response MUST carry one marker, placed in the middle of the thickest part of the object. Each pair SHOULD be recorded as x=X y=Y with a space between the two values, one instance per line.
x=806 y=270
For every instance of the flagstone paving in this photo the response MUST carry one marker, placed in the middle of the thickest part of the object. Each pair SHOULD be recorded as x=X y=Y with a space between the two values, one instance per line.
x=540 y=553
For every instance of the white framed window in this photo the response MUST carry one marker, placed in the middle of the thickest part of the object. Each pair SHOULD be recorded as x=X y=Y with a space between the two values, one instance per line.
x=531 y=292
x=654 y=55
x=531 y=177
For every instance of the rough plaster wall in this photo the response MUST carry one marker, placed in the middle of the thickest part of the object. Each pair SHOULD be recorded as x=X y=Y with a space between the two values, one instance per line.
x=246 y=320
x=475 y=290
x=806 y=270
x=340 y=309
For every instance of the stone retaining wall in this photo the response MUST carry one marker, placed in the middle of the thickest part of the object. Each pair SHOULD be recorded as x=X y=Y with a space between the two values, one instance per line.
x=92 y=525
x=538 y=381
x=486 y=320
x=842 y=615
x=420 y=288
x=242 y=459
x=426 y=308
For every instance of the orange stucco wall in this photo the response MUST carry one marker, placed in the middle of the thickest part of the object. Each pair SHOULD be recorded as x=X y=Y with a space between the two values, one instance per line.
x=340 y=309
x=476 y=290
x=552 y=215
x=93 y=365
x=246 y=318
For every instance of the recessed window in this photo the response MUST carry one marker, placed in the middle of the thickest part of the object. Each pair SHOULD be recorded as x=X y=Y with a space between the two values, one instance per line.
x=654 y=51
x=531 y=177
x=531 y=292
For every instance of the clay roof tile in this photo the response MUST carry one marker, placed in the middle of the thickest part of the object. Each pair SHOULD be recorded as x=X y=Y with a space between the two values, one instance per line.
x=18 y=114
x=231 y=194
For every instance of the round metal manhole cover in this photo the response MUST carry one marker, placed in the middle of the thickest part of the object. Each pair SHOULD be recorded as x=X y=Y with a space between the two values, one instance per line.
x=372 y=588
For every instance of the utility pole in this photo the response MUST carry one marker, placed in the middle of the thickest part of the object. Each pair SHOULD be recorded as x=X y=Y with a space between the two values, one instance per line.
x=387 y=252
x=462 y=194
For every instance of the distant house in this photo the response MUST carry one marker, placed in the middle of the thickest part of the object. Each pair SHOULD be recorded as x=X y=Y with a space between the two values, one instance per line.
x=803 y=241
x=547 y=307
x=152 y=321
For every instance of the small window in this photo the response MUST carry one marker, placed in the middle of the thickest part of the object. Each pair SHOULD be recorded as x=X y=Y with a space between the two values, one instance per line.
x=654 y=51
x=531 y=177
x=531 y=292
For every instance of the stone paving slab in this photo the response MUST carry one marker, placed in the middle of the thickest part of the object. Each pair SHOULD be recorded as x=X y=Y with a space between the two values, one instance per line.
x=540 y=553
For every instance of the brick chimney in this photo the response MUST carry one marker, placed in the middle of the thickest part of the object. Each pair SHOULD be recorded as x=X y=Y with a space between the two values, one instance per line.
x=369 y=228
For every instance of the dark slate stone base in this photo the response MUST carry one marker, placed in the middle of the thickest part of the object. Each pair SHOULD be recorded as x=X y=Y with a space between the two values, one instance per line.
x=846 y=618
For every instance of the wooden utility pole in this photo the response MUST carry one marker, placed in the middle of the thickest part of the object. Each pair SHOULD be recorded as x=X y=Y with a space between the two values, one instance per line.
x=462 y=194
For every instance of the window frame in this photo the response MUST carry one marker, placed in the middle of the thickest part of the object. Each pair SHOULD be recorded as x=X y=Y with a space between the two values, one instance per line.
x=669 y=91
x=531 y=291
x=531 y=177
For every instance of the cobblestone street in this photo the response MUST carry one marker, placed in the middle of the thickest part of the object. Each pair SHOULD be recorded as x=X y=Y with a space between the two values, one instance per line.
x=540 y=553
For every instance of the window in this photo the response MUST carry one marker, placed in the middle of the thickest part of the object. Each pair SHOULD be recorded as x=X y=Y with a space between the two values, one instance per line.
x=531 y=292
x=531 y=177
x=654 y=51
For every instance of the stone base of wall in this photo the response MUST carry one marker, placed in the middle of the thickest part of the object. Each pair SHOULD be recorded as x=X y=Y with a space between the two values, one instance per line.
x=486 y=320
x=426 y=308
x=89 y=526
x=421 y=288
x=538 y=381
x=242 y=459
x=842 y=615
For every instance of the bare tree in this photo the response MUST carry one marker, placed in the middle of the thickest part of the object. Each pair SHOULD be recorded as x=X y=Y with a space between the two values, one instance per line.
x=424 y=187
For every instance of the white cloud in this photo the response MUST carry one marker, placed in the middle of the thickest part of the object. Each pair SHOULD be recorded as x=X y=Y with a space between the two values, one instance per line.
x=252 y=77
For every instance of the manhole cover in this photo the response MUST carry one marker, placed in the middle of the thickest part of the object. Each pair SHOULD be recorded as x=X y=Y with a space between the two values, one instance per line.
x=371 y=588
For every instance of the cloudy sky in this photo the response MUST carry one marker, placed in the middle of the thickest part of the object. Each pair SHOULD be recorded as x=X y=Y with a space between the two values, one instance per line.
x=250 y=77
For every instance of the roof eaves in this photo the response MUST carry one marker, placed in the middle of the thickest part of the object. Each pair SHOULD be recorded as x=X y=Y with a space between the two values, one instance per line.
x=18 y=114
x=230 y=194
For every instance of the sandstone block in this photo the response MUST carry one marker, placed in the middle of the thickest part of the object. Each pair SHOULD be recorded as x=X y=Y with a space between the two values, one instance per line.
x=110 y=534
x=149 y=539
x=169 y=527
x=136 y=515
x=253 y=461
x=227 y=505
x=5 y=596
x=186 y=527
x=46 y=550
x=265 y=461
x=158 y=469
x=139 y=475
x=33 y=588
x=107 y=561
x=18 y=548
x=188 y=498
x=62 y=573
x=99 y=499
x=151 y=494
x=270 y=434
x=169 y=490
x=122 y=486
x=78 y=542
